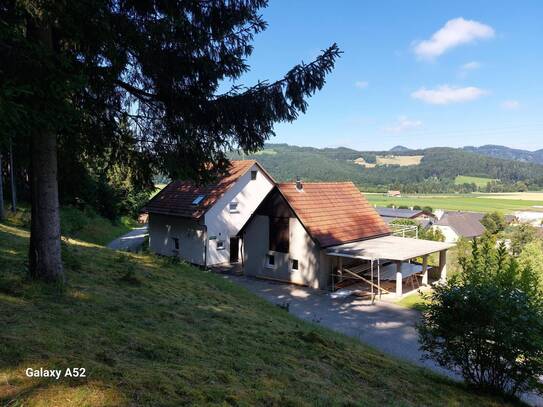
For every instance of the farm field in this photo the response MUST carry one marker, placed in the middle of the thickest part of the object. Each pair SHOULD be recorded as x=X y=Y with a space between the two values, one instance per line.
x=401 y=160
x=479 y=181
x=472 y=202
x=527 y=196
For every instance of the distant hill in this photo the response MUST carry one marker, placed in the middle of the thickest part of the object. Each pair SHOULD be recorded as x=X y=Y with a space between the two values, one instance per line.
x=436 y=171
x=507 y=153
x=398 y=149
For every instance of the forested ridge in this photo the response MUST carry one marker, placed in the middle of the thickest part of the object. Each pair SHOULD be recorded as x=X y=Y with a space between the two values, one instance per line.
x=436 y=172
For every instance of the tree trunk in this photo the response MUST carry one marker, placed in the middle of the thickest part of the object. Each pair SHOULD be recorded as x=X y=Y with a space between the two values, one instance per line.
x=45 y=261
x=12 y=179
x=44 y=252
x=1 y=190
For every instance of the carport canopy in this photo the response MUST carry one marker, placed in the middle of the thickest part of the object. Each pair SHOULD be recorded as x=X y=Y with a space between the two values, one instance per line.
x=396 y=249
x=388 y=248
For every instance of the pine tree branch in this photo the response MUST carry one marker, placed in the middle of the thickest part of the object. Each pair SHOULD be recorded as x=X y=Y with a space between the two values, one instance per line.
x=327 y=57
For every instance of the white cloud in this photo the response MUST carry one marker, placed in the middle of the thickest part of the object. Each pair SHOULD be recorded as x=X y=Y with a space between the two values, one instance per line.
x=361 y=84
x=455 y=32
x=510 y=104
x=467 y=68
x=403 y=124
x=471 y=66
x=445 y=94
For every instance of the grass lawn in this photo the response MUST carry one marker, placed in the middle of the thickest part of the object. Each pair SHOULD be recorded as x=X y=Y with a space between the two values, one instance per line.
x=471 y=202
x=414 y=300
x=79 y=224
x=150 y=332
x=479 y=181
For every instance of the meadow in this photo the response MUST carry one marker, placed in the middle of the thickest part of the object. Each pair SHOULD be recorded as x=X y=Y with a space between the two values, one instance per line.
x=153 y=332
x=479 y=181
x=469 y=202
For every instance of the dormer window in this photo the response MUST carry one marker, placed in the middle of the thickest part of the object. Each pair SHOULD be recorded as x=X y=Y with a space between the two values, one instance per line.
x=233 y=207
x=198 y=199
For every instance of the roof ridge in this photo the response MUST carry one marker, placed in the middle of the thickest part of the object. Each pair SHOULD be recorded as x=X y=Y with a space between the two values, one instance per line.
x=242 y=160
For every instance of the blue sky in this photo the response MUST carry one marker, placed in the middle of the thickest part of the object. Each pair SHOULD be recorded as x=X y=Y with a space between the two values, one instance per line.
x=417 y=73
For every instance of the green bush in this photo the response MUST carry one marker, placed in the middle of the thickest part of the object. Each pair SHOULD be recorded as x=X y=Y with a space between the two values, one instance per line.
x=494 y=222
x=486 y=322
x=520 y=236
x=532 y=256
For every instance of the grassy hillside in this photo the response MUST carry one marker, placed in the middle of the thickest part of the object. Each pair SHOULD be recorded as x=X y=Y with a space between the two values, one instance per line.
x=475 y=203
x=435 y=173
x=79 y=224
x=479 y=181
x=150 y=332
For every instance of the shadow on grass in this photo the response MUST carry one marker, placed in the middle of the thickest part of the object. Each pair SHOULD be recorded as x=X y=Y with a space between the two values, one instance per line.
x=152 y=332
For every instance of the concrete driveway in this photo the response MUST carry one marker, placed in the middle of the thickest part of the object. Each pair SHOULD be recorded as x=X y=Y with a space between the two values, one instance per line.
x=131 y=241
x=387 y=327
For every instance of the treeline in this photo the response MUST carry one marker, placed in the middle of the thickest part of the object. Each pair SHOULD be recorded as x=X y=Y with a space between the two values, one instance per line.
x=435 y=174
x=109 y=189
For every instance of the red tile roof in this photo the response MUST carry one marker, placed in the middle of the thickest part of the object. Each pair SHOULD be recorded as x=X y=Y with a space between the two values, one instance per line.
x=334 y=212
x=177 y=197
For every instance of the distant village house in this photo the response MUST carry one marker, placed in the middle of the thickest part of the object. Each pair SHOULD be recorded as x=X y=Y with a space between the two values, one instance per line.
x=420 y=216
x=455 y=225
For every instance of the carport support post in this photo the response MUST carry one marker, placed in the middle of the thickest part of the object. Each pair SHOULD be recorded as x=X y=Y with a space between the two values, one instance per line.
x=443 y=265
x=425 y=270
x=399 y=279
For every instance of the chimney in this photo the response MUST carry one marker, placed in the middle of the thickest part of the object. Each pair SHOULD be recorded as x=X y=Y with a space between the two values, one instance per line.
x=299 y=185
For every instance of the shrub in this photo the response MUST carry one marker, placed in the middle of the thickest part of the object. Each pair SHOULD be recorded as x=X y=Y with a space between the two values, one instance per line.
x=532 y=256
x=520 y=236
x=494 y=222
x=487 y=322
x=431 y=234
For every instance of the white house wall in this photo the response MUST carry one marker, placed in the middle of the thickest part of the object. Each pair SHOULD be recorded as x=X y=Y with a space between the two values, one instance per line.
x=448 y=232
x=301 y=247
x=221 y=224
x=163 y=229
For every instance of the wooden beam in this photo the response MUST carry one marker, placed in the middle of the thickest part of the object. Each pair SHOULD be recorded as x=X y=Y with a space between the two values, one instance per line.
x=365 y=280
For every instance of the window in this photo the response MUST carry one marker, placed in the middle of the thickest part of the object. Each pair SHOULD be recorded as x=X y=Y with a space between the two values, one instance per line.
x=220 y=244
x=175 y=241
x=233 y=207
x=253 y=175
x=279 y=235
x=294 y=264
x=270 y=260
x=198 y=199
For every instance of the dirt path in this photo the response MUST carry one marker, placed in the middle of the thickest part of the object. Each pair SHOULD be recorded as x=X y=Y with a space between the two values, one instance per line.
x=131 y=241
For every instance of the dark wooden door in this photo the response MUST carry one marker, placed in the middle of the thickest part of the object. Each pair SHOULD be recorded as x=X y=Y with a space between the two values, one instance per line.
x=234 y=249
